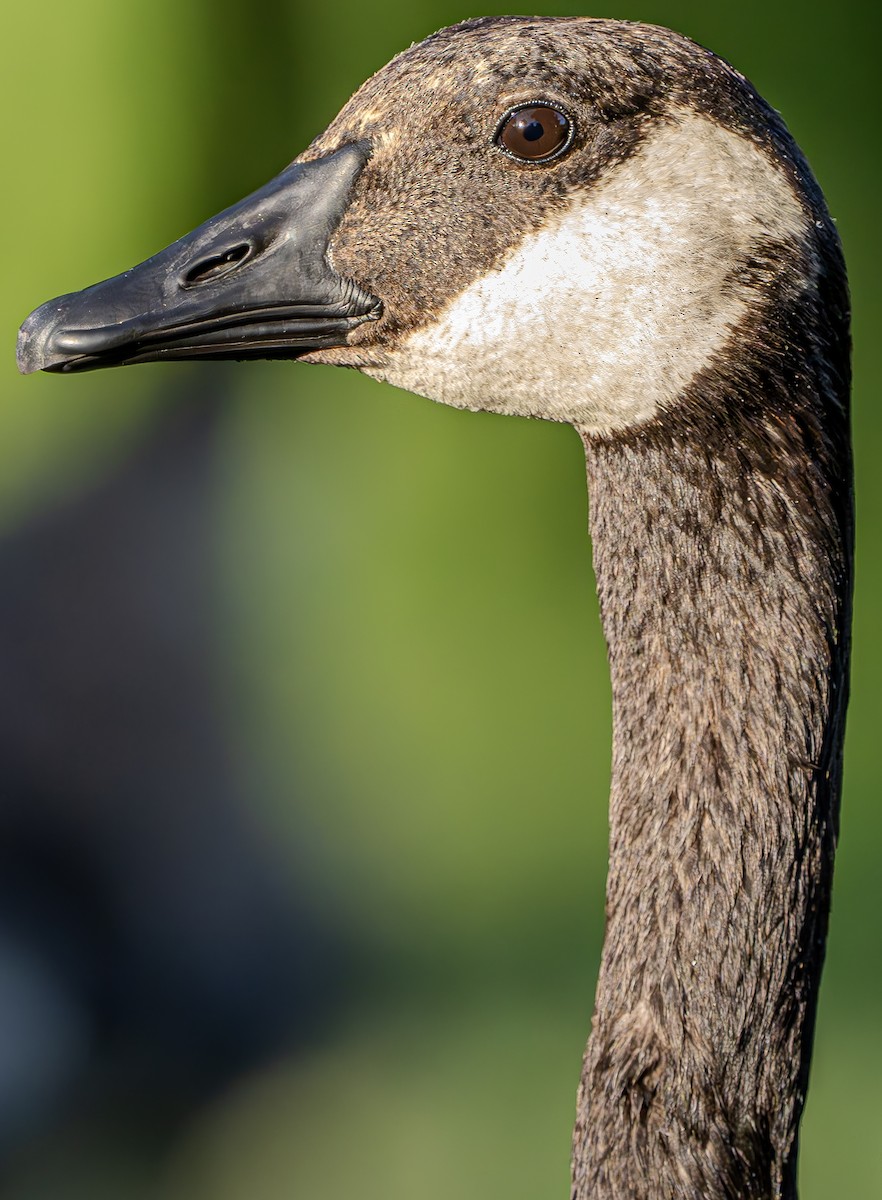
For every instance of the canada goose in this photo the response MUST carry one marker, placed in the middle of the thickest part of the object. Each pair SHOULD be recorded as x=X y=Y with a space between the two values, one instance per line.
x=602 y=223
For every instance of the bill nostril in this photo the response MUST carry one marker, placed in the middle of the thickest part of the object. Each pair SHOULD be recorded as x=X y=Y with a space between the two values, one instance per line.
x=216 y=265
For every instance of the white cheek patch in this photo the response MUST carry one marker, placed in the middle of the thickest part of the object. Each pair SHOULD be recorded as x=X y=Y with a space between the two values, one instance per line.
x=605 y=313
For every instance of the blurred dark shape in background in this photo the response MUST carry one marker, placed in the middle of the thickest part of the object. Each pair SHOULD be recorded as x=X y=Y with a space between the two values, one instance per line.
x=152 y=945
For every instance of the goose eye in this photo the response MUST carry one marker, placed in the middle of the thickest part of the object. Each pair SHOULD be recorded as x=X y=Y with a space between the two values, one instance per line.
x=534 y=132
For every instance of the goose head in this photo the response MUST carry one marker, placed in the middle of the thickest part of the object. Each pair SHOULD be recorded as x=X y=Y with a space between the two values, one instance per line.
x=570 y=219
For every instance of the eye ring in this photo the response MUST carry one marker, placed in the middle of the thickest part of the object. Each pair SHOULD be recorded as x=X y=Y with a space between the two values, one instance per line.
x=567 y=127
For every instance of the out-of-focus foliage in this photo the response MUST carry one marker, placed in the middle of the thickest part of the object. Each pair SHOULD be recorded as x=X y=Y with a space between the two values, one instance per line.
x=408 y=608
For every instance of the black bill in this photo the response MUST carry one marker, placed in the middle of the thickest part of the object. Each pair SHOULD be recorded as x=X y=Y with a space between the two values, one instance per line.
x=253 y=282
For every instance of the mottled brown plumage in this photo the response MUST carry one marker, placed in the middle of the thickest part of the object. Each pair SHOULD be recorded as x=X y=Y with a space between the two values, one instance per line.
x=723 y=597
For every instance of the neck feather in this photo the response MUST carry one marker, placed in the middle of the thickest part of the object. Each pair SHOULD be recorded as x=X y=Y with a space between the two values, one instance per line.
x=722 y=555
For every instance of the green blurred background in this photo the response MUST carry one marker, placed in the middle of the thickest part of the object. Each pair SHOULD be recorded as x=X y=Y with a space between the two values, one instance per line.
x=429 y=573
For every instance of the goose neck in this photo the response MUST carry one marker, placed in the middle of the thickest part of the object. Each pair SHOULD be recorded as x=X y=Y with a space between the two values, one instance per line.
x=722 y=563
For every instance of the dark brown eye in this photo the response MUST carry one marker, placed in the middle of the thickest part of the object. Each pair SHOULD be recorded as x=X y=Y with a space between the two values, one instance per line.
x=534 y=132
